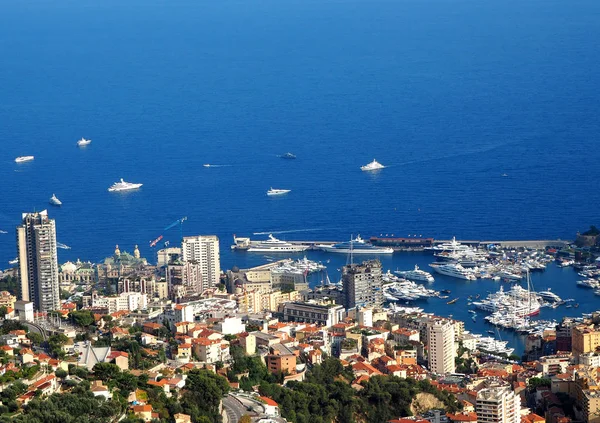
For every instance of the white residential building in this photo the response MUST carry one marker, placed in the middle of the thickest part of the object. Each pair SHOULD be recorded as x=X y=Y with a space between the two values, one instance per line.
x=231 y=326
x=441 y=347
x=204 y=250
x=498 y=405
x=130 y=301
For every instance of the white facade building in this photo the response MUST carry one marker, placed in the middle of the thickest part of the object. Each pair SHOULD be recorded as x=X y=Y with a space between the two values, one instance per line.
x=441 y=347
x=204 y=250
x=498 y=405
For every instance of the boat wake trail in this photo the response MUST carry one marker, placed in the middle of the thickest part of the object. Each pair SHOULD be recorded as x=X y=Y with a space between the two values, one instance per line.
x=291 y=231
x=217 y=165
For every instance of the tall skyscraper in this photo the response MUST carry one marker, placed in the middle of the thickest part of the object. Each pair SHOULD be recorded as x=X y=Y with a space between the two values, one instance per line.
x=38 y=261
x=362 y=284
x=498 y=405
x=440 y=346
x=204 y=250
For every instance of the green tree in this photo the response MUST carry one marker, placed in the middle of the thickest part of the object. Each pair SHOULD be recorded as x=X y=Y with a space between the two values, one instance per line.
x=83 y=318
x=106 y=371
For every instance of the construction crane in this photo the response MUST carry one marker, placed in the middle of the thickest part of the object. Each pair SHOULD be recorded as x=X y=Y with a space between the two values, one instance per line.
x=177 y=222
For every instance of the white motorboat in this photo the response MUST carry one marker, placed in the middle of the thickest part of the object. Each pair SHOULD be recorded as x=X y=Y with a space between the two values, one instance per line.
x=374 y=165
x=416 y=275
x=123 y=186
x=355 y=246
x=454 y=270
x=274 y=191
x=23 y=159
x=83 y=142
x=55 y=201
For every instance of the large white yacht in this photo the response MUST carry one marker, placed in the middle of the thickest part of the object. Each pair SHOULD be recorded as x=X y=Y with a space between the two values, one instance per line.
x=274 y=245
x=374 y=165
x=83 y=142
x=453 y=245
x=55 y=201
x=22 y=159
x=416 y=275
x=454 y=270
x=274 y=191
x=123 y=186
x=355 y=246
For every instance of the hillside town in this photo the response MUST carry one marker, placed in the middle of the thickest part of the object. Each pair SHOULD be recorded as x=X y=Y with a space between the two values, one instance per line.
x=185 y=341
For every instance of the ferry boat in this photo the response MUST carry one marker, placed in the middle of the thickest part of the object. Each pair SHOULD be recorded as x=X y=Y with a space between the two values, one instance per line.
x=453 y=270
x=83 y=142
x=274 y=191
x=355 y=246
x=23 y=159
x=374 y=165
x=55 y=201
x=123 y=186
x=416 y=275
x=274 y=245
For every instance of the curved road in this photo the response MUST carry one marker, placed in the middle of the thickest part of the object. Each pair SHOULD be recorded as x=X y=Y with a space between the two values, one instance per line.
x=234 y=409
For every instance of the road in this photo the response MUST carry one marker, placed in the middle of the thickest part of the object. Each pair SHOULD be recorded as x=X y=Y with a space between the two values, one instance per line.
x=234 y=409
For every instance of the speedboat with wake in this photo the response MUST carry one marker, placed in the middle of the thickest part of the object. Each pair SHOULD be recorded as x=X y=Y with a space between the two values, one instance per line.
x=274 y=191
x=23 y=159
x=374 y=165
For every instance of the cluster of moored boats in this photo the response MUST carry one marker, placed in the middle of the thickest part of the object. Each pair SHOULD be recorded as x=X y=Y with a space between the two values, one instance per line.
x=300 y=266
x=591 y=275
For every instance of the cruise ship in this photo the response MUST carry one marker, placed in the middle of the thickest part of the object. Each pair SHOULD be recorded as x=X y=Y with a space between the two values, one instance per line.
x=355 y=246
x=274 y=191
x=416 y=275
x=123 y=186
x=83 y=142
x=55 y=201
x=374 y=165
x=453 y=270
x=22 y=159
x=274 y=245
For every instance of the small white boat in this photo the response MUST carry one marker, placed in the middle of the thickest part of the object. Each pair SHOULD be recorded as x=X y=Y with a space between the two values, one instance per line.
x=63 y=246
x=3 y=232
x=274 y=191
x=374 y=165
x=13 y=262
x=22 y=159
x=83 y=142
x=55 y=201
x=206 y=165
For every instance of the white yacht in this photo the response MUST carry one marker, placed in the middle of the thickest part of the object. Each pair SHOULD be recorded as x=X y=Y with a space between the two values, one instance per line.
x=206 y=165
x=549 y=296
x=55 y=201
x=123 y=186
x=83 y=142
x=274 y=191
x=454 y=270
x=416 y=275
x=22 y=159
x=273 y=245
x=453 y=245
x=14 y=261
x=374 y=165
x=355 y=246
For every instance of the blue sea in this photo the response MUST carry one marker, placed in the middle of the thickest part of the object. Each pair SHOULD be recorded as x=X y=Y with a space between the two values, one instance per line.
x=449 y=94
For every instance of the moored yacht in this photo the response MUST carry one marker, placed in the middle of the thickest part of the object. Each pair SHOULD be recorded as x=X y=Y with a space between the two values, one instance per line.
x=274 y=191
x=454 y=270
x=274 y=245
x=55 y=201
x=416 y=275
x=374 y=165
x=549 y=296
x=123 y=186
x=355 y=246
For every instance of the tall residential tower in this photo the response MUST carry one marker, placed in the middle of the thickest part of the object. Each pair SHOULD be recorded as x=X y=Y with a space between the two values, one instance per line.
x=204 y=251
x=38 y=261
x=362 y=284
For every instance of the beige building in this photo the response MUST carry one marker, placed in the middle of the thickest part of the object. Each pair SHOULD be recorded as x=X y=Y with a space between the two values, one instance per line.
x=587 y=395
x=584 y=339
x=7 y=300
x=441 y=347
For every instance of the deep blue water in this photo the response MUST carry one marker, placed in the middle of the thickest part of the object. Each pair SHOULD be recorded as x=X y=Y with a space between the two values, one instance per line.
x=450 y=94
